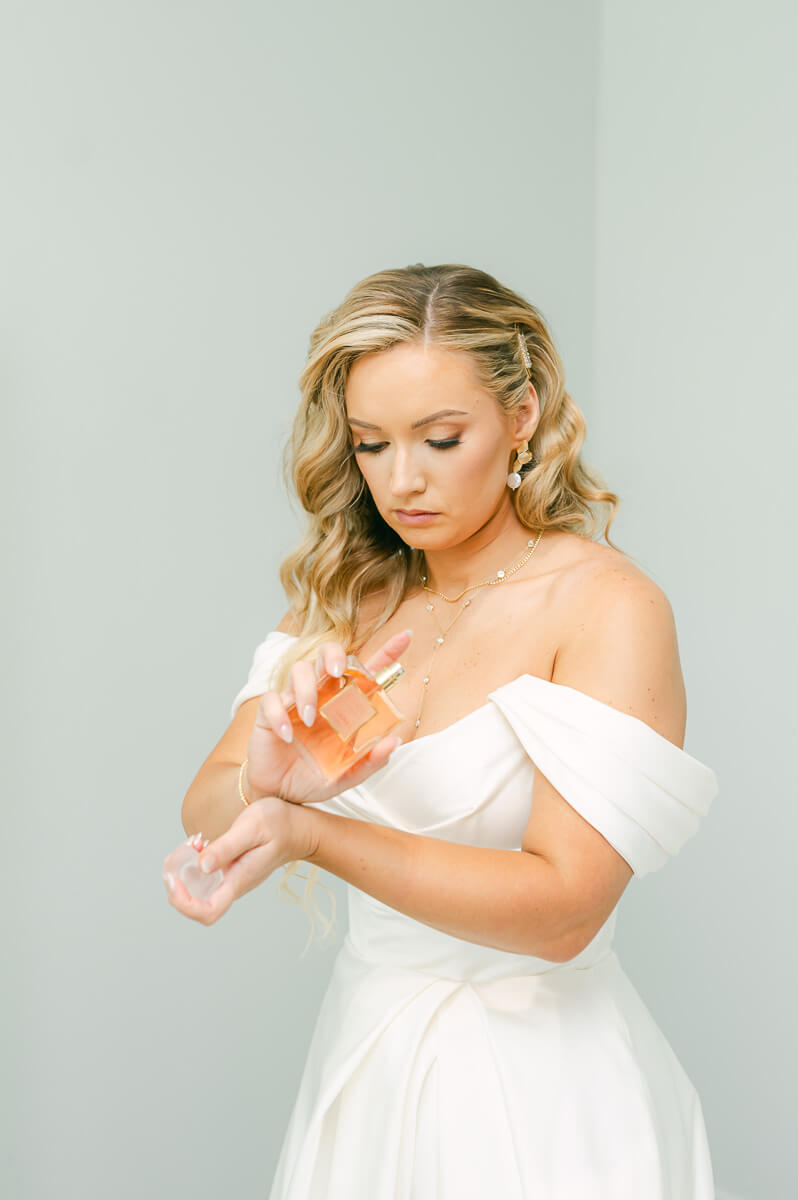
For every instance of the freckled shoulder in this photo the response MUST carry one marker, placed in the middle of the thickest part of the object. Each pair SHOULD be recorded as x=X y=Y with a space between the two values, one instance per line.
x=618 y=641
x=588 y=572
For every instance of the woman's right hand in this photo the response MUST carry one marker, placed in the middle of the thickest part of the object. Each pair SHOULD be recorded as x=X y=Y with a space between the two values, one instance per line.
x=275 y=767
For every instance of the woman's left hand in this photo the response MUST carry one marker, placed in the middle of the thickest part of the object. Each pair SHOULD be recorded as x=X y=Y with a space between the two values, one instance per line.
x=267 y=834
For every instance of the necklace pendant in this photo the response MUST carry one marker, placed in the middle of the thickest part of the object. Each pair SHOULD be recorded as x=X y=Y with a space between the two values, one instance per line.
x=500 y=574
x=439 y=641
x=429 y=608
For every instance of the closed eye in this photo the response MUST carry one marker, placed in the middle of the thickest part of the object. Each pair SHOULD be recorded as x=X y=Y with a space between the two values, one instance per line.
x=375 y=447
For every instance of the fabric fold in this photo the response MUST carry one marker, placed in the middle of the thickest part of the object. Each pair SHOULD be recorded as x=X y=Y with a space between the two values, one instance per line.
x=542 y=1088
x=644 y=794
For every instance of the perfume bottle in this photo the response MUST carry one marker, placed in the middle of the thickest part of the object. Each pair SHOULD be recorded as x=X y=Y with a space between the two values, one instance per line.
x=353 y=713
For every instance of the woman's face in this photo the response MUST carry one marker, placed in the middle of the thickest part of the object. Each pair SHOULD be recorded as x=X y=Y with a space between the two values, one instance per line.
x=429 y=441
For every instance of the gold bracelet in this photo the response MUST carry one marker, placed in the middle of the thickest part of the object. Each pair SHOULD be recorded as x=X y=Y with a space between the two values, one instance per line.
x=241 y=791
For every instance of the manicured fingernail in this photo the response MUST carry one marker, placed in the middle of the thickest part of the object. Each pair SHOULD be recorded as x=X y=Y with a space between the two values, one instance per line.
x=398 y=742
x=286 y=733
x=336 y=669
x=309 y=715
x=170 y=880
x=208 y=864
x=197 y=839
x=205 y=843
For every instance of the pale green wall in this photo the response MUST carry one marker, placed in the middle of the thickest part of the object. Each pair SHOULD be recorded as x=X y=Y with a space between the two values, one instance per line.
x=695 y=423
x=189 y=187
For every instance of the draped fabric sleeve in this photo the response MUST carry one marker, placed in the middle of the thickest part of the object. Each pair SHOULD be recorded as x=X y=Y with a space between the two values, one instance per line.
x=266 y=656
x=644 y=794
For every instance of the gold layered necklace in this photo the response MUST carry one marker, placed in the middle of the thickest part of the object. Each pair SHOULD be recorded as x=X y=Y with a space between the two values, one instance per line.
x=496 y=579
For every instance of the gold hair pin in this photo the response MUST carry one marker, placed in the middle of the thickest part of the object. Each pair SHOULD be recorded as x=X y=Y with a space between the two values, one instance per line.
x=524 y=349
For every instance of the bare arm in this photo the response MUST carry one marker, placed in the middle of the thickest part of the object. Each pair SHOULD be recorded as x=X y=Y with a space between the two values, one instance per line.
x=508 y=899
x=212 y=801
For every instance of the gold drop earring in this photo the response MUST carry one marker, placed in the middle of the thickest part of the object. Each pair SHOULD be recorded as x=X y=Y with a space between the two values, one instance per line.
x=522 y=456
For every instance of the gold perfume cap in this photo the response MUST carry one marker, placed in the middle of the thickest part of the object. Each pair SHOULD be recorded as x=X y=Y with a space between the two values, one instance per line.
x=388 y=676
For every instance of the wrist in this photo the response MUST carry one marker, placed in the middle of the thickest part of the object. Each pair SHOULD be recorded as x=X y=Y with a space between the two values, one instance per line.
x=304 y=831
x=248 y=792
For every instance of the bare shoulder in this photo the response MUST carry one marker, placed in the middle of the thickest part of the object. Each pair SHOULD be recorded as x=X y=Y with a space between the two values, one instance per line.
x=618 y=639
x=589 y=570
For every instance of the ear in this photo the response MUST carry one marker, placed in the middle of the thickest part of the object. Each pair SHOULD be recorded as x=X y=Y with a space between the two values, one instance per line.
x=526 y=418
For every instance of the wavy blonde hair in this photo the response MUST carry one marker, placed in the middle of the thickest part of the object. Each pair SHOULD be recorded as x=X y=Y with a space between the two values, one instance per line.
x=348 y=552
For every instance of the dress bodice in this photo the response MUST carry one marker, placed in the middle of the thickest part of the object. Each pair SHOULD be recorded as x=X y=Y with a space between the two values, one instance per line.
x=472 y=783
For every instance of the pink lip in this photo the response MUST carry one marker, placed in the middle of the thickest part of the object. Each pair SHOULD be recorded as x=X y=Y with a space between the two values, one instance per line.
x=415 y=516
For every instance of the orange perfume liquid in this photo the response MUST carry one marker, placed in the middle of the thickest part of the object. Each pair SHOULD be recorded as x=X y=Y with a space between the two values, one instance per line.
x=353 y=713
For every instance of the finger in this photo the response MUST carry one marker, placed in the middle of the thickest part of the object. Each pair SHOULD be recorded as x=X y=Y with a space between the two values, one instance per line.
x=382 y=751
x=390 y=651
x=331 y=659
x=303 y=679
x=250 y=829
x=252 y=868
x=377 y=757
x=272 y=713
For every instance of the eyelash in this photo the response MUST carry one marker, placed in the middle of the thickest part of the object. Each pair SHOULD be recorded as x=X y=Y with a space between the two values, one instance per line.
x=375 y=447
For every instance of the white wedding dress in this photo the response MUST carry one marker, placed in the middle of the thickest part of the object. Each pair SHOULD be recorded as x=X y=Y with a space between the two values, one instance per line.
x=439 y=1069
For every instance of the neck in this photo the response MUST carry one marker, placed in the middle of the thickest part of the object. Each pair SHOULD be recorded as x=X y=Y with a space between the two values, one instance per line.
x=496 y=545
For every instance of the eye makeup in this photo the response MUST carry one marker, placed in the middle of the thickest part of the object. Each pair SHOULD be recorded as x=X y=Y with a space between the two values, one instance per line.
x=375 y=447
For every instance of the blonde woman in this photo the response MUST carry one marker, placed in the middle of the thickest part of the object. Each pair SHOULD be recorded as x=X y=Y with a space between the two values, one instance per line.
x=478 y=1035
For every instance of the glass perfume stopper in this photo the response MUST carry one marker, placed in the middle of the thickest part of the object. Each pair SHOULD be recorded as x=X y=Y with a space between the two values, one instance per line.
x=197 y=882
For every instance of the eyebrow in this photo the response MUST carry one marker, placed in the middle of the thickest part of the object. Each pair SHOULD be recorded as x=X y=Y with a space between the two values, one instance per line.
x=444 y=412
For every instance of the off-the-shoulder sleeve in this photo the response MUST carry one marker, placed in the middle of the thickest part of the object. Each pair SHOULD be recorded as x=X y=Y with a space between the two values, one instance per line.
x=263 y=663
x=644 y=794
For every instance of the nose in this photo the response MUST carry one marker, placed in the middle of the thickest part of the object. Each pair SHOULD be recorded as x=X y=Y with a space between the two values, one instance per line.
x=406 y=478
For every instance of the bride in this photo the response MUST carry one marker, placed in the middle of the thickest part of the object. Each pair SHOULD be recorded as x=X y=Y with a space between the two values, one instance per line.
x=537 y=767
